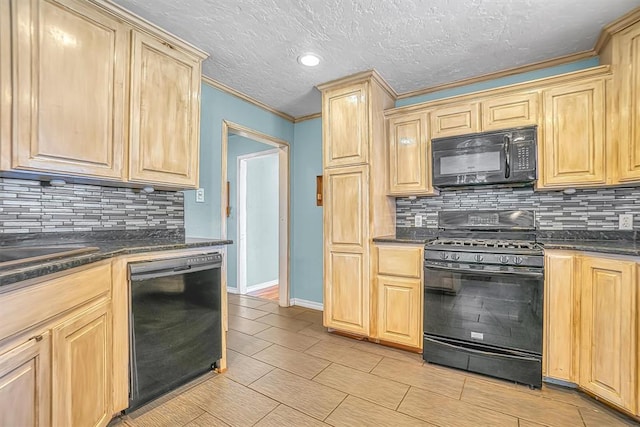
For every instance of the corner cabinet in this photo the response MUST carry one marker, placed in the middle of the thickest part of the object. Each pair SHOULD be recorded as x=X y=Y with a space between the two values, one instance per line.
x=96 y=94
x=165 y=114
x=409 y=155
x=608 y=334
x=572 y=149
x=356 y=205
x=71 y=62
x=590 y=325
x=628 y=84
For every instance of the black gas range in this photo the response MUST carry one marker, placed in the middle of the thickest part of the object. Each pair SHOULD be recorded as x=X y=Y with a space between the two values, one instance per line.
x=483 y=294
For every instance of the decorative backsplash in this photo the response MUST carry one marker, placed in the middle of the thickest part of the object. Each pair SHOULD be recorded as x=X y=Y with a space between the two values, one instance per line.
x=28 y=206
x=596 y=209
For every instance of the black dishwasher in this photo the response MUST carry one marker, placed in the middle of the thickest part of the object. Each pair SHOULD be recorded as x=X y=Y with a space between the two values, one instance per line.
x=175 y=326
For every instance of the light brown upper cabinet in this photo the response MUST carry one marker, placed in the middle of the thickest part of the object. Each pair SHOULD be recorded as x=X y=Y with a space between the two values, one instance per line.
x=346 y=139
x=520 y=109
x=409 y=155
x=165 y=114
x=572 y=146
x=455 y=120
x=71 y=62
x=608 y=317
x=96 y=94
x=628 y=79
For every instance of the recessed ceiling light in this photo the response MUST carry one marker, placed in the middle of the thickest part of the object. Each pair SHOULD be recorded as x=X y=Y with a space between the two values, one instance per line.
x=309 y=59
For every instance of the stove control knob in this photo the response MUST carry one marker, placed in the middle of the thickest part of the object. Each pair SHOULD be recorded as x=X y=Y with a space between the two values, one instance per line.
x=518 y=260
x=444 y=255
x=478 y=257
x=503 y=259
x=455 y=257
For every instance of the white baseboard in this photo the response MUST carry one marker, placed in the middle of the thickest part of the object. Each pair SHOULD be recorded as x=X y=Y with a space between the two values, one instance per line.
x=307 y=304
x=232 y=290
x=261 y=286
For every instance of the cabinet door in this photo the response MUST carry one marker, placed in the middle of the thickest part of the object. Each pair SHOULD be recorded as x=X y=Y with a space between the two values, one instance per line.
x=165 y=114
x=573 y=151
x=345 y=126
x=628 y=75
x=409 y=155
x=561 y=302
x=607 y=339
x=25 y=394
x=346 y=254
x=455 y=120
x=510 y=111
x=82 y=369
x=400 y=310
x=70 y=64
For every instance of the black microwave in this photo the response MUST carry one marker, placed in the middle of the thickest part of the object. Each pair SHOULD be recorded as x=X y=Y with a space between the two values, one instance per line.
x=498 y=157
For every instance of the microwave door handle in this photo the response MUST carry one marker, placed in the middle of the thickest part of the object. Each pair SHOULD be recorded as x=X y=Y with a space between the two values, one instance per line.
x=507 y=156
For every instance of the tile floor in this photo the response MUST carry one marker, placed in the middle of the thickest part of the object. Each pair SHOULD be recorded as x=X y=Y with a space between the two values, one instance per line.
x=286 y=370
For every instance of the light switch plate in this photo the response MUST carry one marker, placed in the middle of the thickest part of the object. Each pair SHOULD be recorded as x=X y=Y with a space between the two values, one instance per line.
x=200 y=195
x=418 y=220
x=625 y=222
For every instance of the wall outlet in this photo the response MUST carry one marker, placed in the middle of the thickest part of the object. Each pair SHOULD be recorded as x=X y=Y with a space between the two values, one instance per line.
x=200 y=195
x=417 y=220
x=625 y=222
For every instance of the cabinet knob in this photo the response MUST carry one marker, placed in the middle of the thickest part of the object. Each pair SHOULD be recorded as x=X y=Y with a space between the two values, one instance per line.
x=38 y=338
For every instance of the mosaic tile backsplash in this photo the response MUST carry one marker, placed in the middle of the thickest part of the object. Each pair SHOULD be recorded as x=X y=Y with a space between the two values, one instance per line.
x=27 y=206
x=596 y=209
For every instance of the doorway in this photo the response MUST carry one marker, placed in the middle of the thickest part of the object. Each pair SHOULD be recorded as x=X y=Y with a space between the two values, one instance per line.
x=257 y=222
x=255 y=212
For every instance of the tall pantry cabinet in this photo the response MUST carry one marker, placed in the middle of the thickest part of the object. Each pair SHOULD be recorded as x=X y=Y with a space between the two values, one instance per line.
x=356 y=207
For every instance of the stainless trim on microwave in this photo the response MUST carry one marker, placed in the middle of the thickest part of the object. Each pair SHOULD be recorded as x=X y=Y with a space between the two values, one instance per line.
x=499 y=157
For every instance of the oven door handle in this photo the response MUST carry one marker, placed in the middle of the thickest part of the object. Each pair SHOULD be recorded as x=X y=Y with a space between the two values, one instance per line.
x=534 y=274
x=480 y=352
x=507 y=156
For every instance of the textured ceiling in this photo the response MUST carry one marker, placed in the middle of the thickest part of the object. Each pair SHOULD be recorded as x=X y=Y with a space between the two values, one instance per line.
x=413 y=44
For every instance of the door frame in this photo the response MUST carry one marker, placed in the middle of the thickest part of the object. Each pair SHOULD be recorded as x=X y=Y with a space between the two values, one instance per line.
x=241 y=201
x=284 y=196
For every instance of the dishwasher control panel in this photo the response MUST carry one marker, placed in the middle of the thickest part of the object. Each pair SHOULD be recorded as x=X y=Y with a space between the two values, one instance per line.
x=207 y=258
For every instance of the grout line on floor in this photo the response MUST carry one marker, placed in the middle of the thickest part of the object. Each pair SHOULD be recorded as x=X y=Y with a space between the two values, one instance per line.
x=337 y=406
x=323 y=369
x=402 y=400
x=377 y=364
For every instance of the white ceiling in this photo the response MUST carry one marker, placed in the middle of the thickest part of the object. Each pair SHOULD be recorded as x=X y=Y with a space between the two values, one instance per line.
x=413 y=44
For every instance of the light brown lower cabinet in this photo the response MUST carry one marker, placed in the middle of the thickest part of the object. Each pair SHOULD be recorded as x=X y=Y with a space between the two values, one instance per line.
x=25 y=378
x=81 y=369
x=608 y=317
x=591 y=315
x=398 y=295
x=56 y=351
x=399 y=310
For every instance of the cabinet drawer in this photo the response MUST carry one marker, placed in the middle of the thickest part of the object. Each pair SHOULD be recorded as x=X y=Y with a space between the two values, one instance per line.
x=405 y=261
x=51 y=298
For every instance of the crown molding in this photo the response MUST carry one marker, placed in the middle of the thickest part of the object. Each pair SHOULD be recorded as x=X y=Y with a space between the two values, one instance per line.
x=307 y=117
x=223 y=87
x=616 y=26
x=360 y=77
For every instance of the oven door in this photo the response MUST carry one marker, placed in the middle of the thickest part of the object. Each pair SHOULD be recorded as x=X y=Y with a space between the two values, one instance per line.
x=493 y=309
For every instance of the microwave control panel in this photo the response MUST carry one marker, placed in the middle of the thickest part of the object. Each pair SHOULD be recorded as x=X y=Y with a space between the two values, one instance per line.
x=525 y=157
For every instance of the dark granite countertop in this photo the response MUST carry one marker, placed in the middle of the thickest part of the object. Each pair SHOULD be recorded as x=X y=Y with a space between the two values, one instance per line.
x=109 y=245
x=599 y=241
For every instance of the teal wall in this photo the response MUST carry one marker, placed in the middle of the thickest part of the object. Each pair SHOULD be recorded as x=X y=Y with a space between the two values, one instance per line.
x=503 y=81
x=238 y=146
x=306 y=249
x=262 y=220
x=203 y=219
